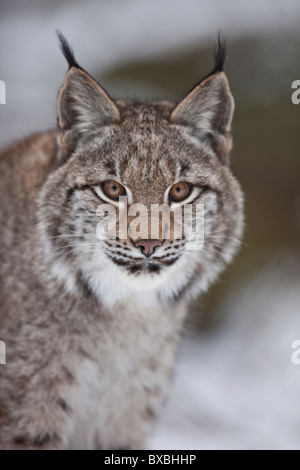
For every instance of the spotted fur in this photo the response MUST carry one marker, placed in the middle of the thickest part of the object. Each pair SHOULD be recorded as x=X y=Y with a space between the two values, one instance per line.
x=91 y=326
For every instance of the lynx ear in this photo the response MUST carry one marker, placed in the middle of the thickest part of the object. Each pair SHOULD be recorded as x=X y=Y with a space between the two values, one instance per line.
x=207 y=113
x=207 y=110
x=84 y=108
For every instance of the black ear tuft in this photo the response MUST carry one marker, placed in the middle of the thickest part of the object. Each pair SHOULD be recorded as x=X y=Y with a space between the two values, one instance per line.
x=220 y=54
x=67 y=51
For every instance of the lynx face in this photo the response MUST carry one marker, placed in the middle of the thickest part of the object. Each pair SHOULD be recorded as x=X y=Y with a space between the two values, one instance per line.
x=155 y=153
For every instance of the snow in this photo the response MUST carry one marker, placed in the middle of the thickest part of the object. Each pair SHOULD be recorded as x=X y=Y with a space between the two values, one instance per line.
x=236 y=386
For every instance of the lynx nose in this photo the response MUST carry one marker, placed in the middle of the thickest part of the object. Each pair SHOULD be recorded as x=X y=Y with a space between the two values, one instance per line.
x=148 y=246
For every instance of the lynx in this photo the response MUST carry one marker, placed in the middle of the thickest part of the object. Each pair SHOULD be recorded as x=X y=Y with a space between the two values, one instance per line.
x=92 y=326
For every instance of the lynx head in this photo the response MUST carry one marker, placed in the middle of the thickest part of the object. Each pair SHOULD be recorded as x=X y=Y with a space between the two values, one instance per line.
x=151 y=153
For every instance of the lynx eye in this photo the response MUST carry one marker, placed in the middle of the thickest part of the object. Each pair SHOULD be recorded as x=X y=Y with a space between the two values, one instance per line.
x=113 y=189
x=180 y=191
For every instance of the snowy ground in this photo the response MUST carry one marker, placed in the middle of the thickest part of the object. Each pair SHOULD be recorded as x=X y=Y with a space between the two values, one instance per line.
x=236 y=386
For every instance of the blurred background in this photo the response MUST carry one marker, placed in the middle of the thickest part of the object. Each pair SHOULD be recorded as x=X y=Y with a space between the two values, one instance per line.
x=235 y=386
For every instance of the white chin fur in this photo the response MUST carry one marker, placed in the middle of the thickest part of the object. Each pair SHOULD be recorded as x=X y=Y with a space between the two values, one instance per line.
x=143 y=281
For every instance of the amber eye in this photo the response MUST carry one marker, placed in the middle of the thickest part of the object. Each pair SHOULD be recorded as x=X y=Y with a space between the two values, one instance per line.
x=113 y=189
x=180 y=191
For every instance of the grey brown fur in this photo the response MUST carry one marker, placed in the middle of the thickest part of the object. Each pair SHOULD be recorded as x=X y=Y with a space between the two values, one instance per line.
x=91 y=327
